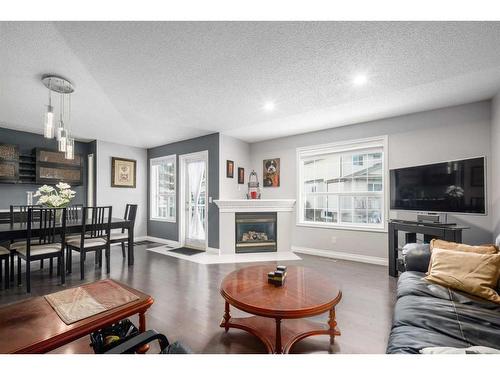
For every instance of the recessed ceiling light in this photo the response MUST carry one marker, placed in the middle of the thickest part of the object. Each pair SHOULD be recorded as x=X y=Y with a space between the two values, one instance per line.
x=360 y=80
x=268 y=106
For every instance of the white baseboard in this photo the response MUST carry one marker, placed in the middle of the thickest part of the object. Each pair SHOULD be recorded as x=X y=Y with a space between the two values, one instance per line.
x=341 y=255
x=163 y=241
x=136 y=239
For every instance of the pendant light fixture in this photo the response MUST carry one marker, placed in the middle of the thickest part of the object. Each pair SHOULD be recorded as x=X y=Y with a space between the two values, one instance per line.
x=60 y=85
x=70 y=142
x=48 y=127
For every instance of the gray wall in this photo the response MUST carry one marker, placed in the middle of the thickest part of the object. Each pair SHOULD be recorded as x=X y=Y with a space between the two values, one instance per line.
x=420 y=138
x=495 y=162
x=119 y=197
x=16 y=193
x=210 y=142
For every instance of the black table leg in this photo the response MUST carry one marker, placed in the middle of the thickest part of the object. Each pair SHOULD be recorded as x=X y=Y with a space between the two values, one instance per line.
x=393 y=251
x=130 y=246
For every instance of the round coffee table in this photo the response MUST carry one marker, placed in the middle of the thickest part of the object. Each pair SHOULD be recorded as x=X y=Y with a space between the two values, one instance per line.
x=277 y=311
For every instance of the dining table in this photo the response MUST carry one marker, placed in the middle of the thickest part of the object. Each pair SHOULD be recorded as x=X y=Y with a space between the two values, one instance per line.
x=19 y=231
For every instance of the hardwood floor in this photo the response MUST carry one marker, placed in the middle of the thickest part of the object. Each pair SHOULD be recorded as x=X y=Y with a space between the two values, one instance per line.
x=188 y=306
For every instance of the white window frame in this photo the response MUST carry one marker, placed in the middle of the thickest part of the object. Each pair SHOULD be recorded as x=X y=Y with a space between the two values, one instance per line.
x=152 y=190
x=339 y=147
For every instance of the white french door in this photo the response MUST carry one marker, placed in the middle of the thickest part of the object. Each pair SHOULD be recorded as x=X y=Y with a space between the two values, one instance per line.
x=194 y=179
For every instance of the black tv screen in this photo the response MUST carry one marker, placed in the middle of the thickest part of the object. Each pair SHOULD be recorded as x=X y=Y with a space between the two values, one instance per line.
x=454 y=186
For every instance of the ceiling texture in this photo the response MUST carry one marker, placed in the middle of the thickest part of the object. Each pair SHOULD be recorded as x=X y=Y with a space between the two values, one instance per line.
x=150 y=83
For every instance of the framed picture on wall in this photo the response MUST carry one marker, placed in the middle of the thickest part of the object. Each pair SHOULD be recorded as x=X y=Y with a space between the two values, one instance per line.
x=272 y=172
x=241 y=175
x=229 y=169
x=123 y=172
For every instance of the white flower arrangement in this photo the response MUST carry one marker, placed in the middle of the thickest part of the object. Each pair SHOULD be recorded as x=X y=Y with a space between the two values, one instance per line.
x=57 y=197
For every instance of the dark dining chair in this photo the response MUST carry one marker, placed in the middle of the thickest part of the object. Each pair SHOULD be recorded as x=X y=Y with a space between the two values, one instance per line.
x=122 y=237
x=96 y=230
x=5 y=256
x=19 y=214
x=74 y=213
x=42 y=241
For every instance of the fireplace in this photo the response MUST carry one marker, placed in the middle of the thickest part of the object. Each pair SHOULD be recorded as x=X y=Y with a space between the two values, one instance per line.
x=256 y=232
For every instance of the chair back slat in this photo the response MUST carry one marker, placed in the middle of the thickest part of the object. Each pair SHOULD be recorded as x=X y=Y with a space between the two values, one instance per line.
x=44 y=221
x=96 y=222
x=130 y=214
x=73 y=212
x=19 y=213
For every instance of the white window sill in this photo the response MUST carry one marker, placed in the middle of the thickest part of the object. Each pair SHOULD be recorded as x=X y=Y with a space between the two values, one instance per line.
x=342 y=227
x=163 y=220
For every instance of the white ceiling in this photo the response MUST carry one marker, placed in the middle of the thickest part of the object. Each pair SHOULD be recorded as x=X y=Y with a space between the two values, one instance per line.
x=151 y=83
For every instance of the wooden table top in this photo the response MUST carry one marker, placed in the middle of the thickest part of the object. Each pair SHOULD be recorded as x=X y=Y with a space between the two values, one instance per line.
x=32 y=326
x=306 y=292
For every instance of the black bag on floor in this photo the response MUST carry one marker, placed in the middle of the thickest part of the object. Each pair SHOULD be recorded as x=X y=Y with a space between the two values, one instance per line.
x=107 y=338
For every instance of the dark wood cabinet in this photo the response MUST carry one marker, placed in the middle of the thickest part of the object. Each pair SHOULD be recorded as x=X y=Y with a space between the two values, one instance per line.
x=52 y=167
x=9 y=163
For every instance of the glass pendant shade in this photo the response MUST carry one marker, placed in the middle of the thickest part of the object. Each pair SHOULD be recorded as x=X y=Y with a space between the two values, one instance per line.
x=58 y=131
x=62 y=140
x=70 y=148
x=48 y=129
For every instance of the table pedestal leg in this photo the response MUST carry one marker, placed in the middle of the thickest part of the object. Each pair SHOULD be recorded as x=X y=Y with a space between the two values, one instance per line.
x=333 y=325
x=279 y=348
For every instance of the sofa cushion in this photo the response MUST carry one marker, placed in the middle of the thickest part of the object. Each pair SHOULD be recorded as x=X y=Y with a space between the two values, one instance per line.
x=473 y=273
x=451 y=350
x=428 y=315
x=446 y=245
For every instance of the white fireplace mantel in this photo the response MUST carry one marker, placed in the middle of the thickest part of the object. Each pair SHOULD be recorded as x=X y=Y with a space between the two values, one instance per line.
x=252 y=205
x=228 y=209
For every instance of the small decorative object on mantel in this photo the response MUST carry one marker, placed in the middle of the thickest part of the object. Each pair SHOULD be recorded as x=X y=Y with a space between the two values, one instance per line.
x=277 y=278
x=229 y=169
x=253 y=186
x=123 y=172
x=241 y=176
x=272 y=172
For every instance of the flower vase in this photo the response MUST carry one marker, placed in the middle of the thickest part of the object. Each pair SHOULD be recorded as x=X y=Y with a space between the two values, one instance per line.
x=59 y=217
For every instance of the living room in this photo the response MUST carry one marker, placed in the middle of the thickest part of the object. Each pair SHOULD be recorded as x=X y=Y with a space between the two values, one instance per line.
x=212 y=185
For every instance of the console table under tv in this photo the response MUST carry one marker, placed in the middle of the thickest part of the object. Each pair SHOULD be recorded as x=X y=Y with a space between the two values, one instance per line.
x=448 y=232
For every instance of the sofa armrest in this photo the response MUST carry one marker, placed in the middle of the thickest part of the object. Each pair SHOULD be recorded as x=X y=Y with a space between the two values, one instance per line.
x=416 y=257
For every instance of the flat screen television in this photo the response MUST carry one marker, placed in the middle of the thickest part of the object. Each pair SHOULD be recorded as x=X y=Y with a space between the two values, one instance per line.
x=454 y=186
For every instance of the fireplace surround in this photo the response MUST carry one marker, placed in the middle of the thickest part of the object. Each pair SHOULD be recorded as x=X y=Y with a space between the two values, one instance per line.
x=255 y=232
x=283 y=209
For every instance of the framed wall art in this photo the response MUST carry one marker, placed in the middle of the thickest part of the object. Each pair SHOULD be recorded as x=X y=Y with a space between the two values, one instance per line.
x=229 y=169
x=271 y=172
x=123 y=172
x=241 y=176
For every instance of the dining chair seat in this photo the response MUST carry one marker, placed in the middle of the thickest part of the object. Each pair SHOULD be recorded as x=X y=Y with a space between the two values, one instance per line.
x=41 y=249
x=17 y=245
x=118 y=236
x=87 y=242
x=4 y=251
x=73 y=237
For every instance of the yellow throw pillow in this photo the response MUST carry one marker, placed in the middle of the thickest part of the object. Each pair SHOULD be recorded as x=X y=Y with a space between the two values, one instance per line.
x=473 y=273
x=446 y=245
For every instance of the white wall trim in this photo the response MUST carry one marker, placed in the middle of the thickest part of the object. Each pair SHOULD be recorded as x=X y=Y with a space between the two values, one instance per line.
x=340 y=255
x=163 y=241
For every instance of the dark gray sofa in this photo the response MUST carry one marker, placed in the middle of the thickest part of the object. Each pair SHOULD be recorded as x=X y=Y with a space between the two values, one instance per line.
x=430 y=315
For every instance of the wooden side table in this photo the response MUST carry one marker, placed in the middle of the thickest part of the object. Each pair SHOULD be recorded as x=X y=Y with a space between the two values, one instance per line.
x=278 y=311
x=32 y=325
